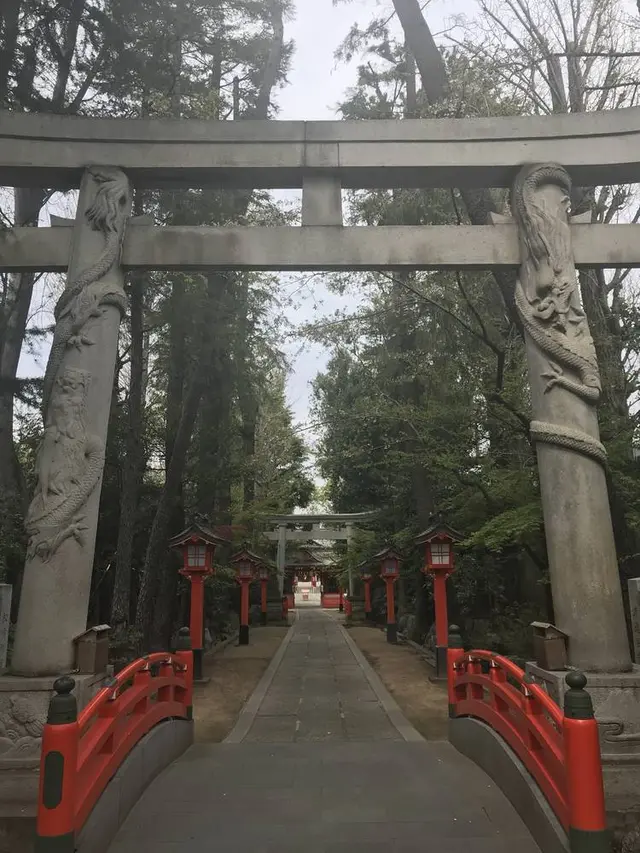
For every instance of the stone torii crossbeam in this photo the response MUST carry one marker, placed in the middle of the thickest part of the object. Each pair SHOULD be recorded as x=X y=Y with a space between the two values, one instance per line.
x=538 y=158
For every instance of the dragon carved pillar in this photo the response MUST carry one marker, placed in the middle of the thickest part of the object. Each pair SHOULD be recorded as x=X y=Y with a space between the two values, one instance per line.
x=62 y=519
x=565 y=388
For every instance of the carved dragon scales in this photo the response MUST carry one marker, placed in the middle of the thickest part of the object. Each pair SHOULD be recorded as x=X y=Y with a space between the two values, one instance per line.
x=70 y=461
x=548 y=300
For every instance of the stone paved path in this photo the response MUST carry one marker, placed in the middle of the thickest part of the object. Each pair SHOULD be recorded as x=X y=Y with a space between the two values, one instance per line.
x=322 y=761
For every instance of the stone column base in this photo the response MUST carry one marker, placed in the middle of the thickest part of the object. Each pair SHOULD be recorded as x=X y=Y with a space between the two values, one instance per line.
x=616 y=702
x=24 y=703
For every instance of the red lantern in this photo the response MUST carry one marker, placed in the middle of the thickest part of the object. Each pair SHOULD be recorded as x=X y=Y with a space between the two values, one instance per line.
x=390 y=567
x=389 y=570
x=439 y=540
x=246 y=565
x=198 y=544
x=244 y=570
x=440 y=553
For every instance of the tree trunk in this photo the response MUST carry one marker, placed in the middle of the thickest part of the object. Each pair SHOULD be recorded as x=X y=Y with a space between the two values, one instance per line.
x=9 y=18
x=133 y=467
x=66 y=55
x=151 y=611
x=418 y=37
x=13 y=492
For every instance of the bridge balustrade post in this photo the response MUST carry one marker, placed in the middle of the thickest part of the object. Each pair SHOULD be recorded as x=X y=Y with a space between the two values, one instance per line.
x=184 y=655
x=455 y=656
x=58 y=764
x=587 y=818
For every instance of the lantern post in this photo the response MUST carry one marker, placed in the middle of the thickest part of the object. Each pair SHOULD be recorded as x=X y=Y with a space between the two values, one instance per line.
x=246 y=565
x=365 y=574
x=263 y=575
x=439 y=540
x=390 y=570
x=198 y=545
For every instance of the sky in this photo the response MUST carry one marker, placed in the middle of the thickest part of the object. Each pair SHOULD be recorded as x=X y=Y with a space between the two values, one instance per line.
x=316 y=85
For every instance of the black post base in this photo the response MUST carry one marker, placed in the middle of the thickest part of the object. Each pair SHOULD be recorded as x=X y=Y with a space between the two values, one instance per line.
x=367 y=616
x=55 y=843
x=441 y=661
x=263 y=618
x=584 y=841
x=197 y=664
x=392 y=632
x=341 y=607
x=243 y=635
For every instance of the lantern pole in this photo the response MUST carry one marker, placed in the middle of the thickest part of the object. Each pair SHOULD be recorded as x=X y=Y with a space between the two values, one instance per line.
x=392 y=628
x=196 y=622
x=243 y=633
x=367 y=599
x=442 y=620
x=263 y=600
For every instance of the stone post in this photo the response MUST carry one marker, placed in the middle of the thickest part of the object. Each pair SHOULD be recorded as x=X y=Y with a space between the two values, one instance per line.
x=565 y=388
x=633 y=585
x=6 y=591
x=62 y=519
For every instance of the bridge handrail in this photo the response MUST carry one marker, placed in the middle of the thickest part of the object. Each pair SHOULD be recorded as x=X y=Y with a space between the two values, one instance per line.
x=560 y=749
x=81 y=753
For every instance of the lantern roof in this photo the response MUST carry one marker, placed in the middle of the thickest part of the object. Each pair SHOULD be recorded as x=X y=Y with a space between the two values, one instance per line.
x=387 y=553
x=249 y=556
x=439 y=529
x=200 y=532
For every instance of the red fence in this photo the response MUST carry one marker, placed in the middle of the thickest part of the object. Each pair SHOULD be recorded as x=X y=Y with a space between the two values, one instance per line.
x=81 y=753
x=559 y=749
x=331 y=600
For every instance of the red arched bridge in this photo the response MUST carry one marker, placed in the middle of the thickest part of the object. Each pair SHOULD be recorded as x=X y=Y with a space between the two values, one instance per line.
x=321 y=759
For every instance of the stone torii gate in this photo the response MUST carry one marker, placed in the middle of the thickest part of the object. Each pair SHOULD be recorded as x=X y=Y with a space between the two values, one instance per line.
x=332 y=527
x=107 y=157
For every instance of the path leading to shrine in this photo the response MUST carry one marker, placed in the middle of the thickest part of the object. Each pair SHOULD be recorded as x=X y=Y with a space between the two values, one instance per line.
x=322 y=761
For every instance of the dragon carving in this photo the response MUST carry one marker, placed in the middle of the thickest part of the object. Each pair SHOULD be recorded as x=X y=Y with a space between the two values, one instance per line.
x=548 y=299
x=86 y=296
x=553 y=315
x=70 y=461
x=69 y=467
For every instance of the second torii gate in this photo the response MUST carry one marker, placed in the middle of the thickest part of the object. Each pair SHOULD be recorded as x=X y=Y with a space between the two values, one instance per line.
x=337 y=527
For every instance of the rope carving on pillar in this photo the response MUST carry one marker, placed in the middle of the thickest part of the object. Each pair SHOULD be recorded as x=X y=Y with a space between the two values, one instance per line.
x=70 y=461
x=548 y=299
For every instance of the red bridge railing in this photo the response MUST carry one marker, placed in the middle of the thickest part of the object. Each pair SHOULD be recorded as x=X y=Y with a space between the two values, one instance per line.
x=560 y=748
x=81 y=753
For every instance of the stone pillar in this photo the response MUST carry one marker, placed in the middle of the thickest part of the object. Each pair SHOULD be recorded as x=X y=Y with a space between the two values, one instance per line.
x=62 y=519
x=565 y=388
x=633 y=585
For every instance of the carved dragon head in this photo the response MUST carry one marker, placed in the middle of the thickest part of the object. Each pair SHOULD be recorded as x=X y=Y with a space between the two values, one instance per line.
x=543 y=226
x=109 y=207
